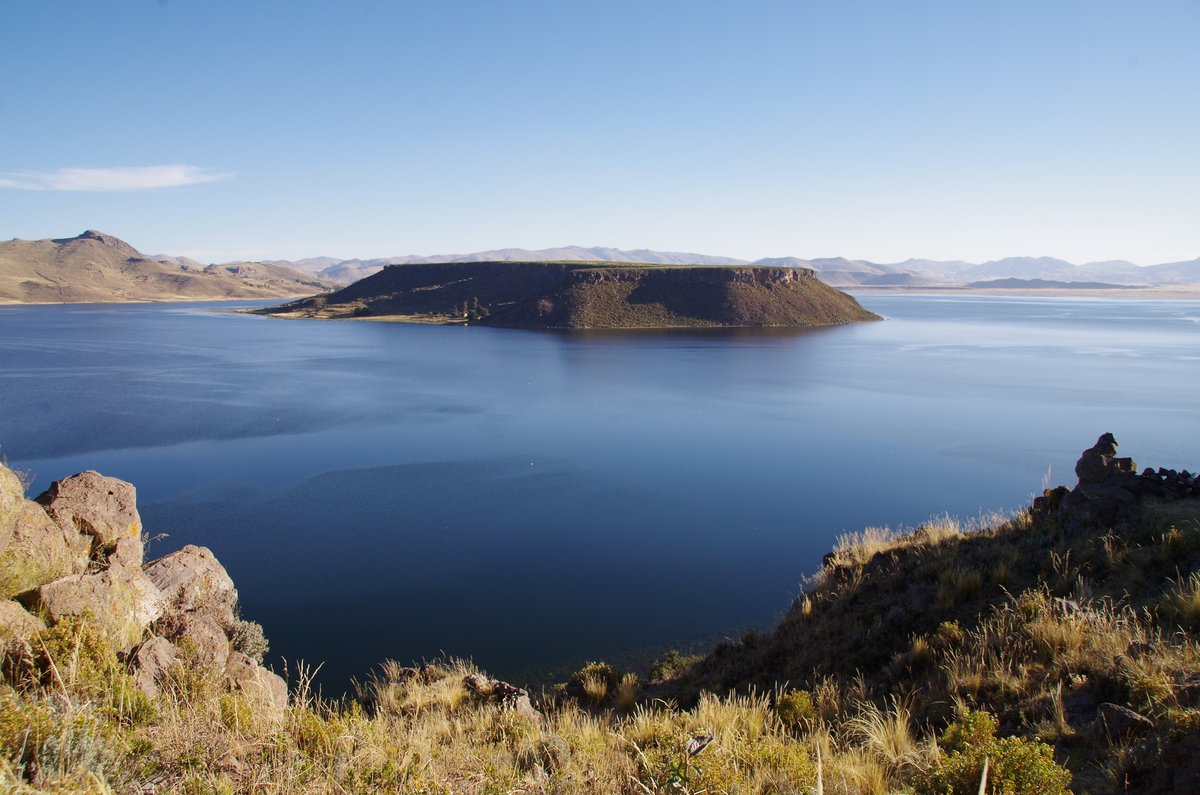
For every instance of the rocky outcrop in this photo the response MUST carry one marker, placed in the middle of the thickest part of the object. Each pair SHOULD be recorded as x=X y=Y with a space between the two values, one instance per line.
x=152 y=662
x=483 y=688
x=1109 y=490
x=38 y=550
x=122 y=601
x=76 y=552
x=193 y=581
x=90 y=503
x=201 y=604
x=12 y=497
x=17 y=623
x=266 y=691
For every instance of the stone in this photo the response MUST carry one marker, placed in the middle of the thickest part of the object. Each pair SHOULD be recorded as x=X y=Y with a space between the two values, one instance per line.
x=201 y=640
x=126 y=553
x=151 y=663
x=265 y=690
x=1121 y=722
x=12 y=496
x=17 y=623
x=102 y=507
x=1099 y=462
x=502 y=693
x=39 y=551
x=192 y=580
x=122 y=602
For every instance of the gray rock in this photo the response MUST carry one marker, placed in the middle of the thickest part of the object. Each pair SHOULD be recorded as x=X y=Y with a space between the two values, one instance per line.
x=151 y=663
x=39 y=551
x=265 y=690
x=1121 y=722
x=192 y=580
x=102 y=507
x=122 y=602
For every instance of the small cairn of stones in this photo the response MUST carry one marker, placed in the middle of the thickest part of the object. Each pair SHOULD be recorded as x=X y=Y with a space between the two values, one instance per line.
x=1110 y=490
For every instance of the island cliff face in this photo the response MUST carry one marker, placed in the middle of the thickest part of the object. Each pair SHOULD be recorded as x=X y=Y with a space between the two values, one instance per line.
x=567 y=295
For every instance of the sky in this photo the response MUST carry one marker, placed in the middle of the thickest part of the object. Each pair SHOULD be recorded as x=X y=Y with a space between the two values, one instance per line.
x=883 y=130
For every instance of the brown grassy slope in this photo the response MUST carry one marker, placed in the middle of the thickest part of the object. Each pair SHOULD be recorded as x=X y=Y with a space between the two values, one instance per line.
x=95 y=267
x=1031 y=621
x=591 y=295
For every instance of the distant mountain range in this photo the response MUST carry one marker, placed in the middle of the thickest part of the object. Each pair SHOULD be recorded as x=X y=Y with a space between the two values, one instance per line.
x=836 y=271
x=94 y=267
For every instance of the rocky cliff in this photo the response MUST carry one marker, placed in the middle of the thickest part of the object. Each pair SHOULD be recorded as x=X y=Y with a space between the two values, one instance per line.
x=587 y=295
x=75 y=554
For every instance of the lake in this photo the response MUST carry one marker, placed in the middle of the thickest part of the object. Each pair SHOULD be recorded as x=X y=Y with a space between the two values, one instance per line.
x=535 y=500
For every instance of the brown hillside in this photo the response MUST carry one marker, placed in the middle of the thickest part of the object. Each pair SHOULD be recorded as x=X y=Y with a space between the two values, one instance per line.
x=95 y=267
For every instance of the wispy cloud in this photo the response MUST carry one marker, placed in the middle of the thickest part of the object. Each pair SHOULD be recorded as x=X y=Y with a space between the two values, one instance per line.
x=113 y=179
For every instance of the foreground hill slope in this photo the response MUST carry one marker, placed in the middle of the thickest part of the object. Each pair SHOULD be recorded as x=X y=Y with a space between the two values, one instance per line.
x=97 y=268
x=587 y=295
x=1051 y=652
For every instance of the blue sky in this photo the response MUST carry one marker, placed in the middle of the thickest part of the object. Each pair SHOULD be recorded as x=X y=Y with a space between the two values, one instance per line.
x=878 y=130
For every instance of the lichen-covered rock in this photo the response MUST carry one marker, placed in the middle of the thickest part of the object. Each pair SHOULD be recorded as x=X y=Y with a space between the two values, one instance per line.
x=17 y=623
x=99 y=506
x=39 y=551
x=265 y=690
x=150 y=663
x=122 y=602
x=11 y=498
x=192 y=580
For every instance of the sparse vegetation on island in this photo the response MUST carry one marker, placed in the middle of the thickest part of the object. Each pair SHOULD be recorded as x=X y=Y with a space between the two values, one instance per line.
x=573 y=295
x=1051 y=651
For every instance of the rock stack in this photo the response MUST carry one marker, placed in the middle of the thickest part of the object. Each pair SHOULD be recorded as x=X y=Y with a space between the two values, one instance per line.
x=1109 y=490
x=77 y=550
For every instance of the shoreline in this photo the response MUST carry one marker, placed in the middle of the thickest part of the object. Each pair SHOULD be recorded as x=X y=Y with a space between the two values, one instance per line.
x=1183 y=292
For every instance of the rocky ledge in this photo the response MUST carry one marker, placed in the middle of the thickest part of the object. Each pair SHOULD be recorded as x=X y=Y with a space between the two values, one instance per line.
x=77 y=553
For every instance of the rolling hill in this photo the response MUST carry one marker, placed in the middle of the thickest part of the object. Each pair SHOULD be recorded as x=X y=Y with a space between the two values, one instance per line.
x=97 y=268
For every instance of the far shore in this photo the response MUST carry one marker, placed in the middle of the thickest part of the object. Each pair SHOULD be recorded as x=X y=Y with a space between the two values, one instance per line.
x=1189 y=292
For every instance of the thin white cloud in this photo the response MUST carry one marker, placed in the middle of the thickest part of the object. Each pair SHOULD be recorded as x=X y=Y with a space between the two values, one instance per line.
x=129 y=178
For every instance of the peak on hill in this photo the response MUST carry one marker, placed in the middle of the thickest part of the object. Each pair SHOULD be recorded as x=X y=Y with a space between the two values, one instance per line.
x=95 y=267
x=108 y=241
x=587 y=295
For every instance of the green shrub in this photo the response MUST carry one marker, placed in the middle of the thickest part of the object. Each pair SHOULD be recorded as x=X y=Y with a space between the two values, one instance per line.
x=596 y=671
x=671 y=665
x=1017 y=766
x=796 y=709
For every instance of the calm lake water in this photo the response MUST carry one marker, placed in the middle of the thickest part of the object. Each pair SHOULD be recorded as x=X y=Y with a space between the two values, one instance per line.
x=535 y=500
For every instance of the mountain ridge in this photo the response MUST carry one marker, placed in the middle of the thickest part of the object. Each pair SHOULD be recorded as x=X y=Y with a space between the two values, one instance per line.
x=836 y=271
x=94 y=267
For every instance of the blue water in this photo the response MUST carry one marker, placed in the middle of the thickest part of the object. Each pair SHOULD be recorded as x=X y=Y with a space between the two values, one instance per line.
x=540 y=499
